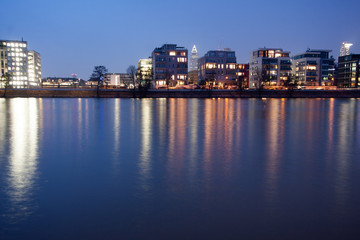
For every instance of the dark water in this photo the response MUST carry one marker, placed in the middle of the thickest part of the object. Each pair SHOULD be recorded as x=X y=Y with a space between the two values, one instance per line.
x=179 y=169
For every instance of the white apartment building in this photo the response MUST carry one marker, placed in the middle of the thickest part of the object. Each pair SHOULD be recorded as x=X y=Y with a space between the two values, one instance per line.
x=23 y=66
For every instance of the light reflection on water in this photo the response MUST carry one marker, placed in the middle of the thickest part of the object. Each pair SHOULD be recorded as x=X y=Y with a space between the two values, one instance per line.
x=145 y=147
x=23 y=157
x=141 y=167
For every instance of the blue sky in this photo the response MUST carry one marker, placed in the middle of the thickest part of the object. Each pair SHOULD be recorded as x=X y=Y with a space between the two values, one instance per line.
x=74 y=36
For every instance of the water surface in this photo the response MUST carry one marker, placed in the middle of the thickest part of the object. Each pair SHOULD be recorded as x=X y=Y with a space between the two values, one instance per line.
x=179 y=168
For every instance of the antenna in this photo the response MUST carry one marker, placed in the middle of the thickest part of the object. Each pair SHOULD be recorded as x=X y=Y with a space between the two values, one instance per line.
x=219 y=48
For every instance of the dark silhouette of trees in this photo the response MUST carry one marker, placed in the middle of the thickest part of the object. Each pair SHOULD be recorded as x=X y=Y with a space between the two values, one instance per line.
x=260 y=78
x=144 y=78
x=98 y=74
x=131 y=70
x=167 y=78
x=5 y=80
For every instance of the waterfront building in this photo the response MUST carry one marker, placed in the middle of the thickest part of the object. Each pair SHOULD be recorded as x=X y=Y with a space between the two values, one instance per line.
x=14 y=60
x=34 y=69
x=269 y=67
x=217 y=68
x=242 y=75
x=144 y=71
x=345 y=49
x=348 y=71
x=314 y=68
x=23 y=66
x=170 y=65
x=117 y=80
x=60 y=82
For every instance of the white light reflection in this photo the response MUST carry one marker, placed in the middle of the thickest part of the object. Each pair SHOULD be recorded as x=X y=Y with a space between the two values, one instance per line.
x=193 y=128
x=3 y=127
x=24 y=140
x=117 y=113
x=146 y=134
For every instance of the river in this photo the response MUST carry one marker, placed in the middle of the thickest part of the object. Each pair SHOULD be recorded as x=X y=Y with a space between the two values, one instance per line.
x=179 y=168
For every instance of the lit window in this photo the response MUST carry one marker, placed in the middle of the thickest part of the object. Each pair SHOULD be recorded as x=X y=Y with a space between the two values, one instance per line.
x=210 y=65
x=172 y=53
x=311 y=67
x=180 y=59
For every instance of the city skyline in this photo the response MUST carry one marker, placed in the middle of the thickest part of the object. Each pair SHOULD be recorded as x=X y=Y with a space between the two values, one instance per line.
x=73 y=37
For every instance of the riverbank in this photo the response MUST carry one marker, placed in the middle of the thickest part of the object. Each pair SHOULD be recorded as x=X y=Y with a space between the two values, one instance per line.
x=163 y=93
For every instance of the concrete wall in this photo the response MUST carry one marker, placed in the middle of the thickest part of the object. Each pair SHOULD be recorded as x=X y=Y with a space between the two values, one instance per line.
x=198 y=93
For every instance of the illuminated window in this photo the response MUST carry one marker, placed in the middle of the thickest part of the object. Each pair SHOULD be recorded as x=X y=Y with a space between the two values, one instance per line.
x=181 y=59
x=311 y=68
x=172 y=53
x=231 y=66
x=271 y=54
x=210 y=65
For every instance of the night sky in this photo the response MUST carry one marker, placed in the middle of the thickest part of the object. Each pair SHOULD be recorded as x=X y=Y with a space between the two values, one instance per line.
x=74 y=36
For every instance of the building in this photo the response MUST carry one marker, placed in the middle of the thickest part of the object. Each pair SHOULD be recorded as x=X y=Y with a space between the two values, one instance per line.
x=193 y=77
x=193 y=68
x=218 y=68
x=269 y=67
x=34 y=69
x=345 y=49
x=194 y=57
x=14 y=60
x=144 y=72
x=170 y=65
x=242 y=75
x=314 y=68
x=60 y=82
x=23 y=66
x=117 y=80
x=348 y=71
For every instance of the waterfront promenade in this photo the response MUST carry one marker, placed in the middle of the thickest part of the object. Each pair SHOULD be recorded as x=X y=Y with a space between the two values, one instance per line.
x=164 y=93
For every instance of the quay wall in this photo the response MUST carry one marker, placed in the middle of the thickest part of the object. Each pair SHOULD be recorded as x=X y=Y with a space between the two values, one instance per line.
x=153 y=93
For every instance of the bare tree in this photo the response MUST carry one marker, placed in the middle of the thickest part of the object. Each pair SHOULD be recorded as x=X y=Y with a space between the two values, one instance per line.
x=167 y=78
x=144 y=78
x=131 y=70
x=260 y=78
x=98 y=74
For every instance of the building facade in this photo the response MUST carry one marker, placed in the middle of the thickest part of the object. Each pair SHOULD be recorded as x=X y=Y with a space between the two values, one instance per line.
x=60 y=82
x=170 y=65
x=34 y=69
x=22 y=66
x=194 y=58
x=242 y=75
x=193 y=68
x=345 y=48
x=144 y=72
x=14 y=60
x=314 y=68
x=269 y=67
x=348 y=71
x=117 y=80
x=218 y=68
